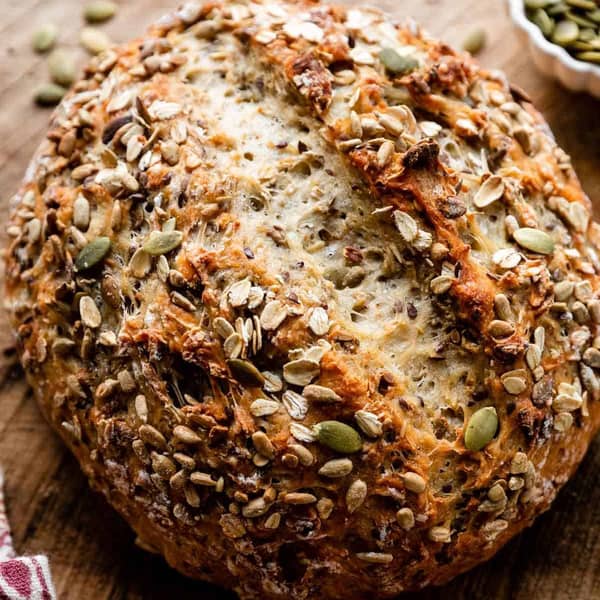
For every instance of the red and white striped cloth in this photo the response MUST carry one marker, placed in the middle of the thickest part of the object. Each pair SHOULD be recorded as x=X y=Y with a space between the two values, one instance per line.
x=25 y=577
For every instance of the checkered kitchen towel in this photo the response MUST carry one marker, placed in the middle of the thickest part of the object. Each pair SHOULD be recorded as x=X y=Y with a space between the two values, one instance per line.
x=21 y=578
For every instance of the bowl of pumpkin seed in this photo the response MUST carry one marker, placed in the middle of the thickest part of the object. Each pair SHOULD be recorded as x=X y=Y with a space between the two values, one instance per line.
x=564 y=39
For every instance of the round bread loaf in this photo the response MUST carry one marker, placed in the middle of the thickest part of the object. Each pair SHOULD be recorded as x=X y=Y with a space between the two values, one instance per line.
x=311 y=297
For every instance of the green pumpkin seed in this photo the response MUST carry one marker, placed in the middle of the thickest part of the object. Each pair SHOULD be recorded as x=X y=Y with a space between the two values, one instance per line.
x=62 y=67
x=92 y=254
x=541 y=18
x=585 y=4
x=534 y=240
x=481 y=429
x=99 y=11
x=533 y=4
x=49 y=94
x=161 y=242
x=475 y=41
x=338 y=436
x=565 y=33
x=245 y=372
x=594 y=15
x=579 y=20
x=396 y=63
x=94 y=40
x=44 y=38
x=559 y=8
x=589 y=56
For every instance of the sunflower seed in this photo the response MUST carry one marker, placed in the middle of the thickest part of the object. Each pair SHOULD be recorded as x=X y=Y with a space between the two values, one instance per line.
x=405 y=518
x=92 y=254
x=475 y=41
x=304 y=454
x=163 y=465
x=299 y=498
x=186 y=435
x=356 y=495
x=500 y=329
x=150 y=435
x=44 y=38
x=336 y=468
x=377 y=558
x=534 y=240
x=94 y=40
x=396 y=63
x=255 y=508
x=368 y=423
x=563 y=290
x=385 y=153
x=263 y=444
x=62 y=67
x=273 y=315
x=338 y=436
x=81 y=213
x=301 y=372
x=533 y=357
x=161 y=242
x=319 y=393
x=414 y=482
x=481 y=428
x=491 y=190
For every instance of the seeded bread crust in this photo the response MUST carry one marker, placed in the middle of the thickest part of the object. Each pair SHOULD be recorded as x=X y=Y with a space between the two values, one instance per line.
x=252 y=222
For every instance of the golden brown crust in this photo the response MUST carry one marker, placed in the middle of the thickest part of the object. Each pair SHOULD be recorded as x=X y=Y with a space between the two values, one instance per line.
x=290 y=228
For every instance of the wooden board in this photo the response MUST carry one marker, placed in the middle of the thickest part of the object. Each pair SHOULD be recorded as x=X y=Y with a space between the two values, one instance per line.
x=91 y=550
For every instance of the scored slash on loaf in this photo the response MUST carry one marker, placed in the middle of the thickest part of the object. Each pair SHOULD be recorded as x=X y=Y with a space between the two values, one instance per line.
x=311 y=297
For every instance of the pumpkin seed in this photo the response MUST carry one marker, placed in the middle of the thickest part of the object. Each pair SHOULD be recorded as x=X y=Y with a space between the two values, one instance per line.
x=543 y=20
x=481 y=429
x=161 y=242
x=537 y=3
x=44 y=38
x=99 y=11
x=534 y=240
x=590 y=56
x=61 y=66
x=396 y=63
x=475 y=41
x=491 y=190
x=49 y=94
x=565 y=32
x=245 y=372
x=338 y=436
x=579 y=20
x=92 y=254
x=584 y=4
x=94 y=40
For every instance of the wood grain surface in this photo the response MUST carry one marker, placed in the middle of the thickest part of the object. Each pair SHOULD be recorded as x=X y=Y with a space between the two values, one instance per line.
x=90 y=548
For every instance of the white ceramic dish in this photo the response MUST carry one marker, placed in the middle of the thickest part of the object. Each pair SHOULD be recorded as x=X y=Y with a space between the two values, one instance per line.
x=552 y=60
